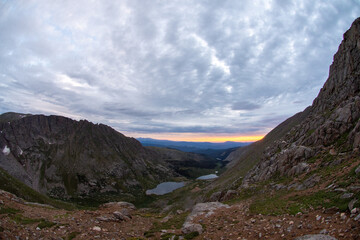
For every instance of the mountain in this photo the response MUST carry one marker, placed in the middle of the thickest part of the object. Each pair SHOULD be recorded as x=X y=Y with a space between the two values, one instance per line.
x=213 y=150
x=64 y=158
x=196 y=145
x=315 y=148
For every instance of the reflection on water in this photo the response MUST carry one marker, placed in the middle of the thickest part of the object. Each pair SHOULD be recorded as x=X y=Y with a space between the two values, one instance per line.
x=165 y=187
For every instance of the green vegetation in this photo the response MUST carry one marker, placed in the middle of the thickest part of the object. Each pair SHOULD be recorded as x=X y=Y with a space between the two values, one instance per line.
x=11 y=184
x=324 y=199
x=175 y=222
x=274 y=205
x=191 y=235
x=45 y=224
x=72 y=235
x=308 y=133
x=8 y=210
x=20 y=219
x=1 y=229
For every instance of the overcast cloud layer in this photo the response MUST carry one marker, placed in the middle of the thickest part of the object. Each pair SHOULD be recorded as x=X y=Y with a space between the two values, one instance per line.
x=148 y=67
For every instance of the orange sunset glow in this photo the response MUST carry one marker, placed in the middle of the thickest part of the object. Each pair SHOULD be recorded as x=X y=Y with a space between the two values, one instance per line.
x=196 y=137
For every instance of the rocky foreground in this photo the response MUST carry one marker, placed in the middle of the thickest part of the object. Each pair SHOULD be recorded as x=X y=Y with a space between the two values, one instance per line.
x=214 y=220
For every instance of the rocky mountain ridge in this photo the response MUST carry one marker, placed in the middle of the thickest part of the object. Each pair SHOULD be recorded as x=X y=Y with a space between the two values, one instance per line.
x=63 y=157
x=332 y=125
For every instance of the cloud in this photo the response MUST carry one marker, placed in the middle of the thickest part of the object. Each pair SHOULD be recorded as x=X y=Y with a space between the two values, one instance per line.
x=169 y=66
x=245 y=105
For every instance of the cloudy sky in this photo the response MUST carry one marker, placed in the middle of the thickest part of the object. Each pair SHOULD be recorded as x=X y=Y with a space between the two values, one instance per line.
x=194 y=70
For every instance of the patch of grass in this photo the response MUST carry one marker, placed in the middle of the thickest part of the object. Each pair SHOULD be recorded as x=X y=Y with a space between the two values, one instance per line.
x=341 y=143
x=149 y=234
x=324 y=199
x=175 y=222
x=191 y=235
x=45 y=224
x=10 y=184
x=274 y=205
x=243 y=195
x=19 y=219
x=312 y=159
x=72 y=235
x=8 y=210
x=308 y=133
x=168 y=236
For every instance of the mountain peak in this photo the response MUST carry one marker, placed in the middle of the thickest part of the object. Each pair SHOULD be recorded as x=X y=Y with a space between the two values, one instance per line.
x=343 y=81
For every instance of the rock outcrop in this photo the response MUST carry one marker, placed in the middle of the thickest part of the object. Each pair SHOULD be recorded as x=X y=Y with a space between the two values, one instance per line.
x=331 y=127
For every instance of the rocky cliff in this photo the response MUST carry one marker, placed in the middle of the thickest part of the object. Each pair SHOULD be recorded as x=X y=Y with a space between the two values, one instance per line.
x=63 y=157
x=320 y=141
x=331 y=130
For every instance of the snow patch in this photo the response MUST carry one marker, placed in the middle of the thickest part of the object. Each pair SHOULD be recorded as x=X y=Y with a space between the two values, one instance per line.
x=6 y=150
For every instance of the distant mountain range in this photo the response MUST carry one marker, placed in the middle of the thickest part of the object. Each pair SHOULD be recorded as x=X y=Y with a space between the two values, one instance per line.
x=215 y=150
x=190 y=145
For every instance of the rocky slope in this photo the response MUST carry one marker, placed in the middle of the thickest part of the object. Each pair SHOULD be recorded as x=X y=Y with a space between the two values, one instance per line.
x=331 y=130
x=62 y=157
x=326 y=133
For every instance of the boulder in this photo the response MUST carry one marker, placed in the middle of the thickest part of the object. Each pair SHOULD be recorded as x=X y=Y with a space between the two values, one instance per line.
x=216 y=196
x=122 y=215
x=189 y=227
x=118 y=205
x=207 y=208
x=352 y=203
x=230 y=194
x=357 y=170
x=316 y=237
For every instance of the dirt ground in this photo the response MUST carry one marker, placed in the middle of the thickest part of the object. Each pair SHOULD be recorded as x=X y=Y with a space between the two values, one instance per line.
x=226 y=223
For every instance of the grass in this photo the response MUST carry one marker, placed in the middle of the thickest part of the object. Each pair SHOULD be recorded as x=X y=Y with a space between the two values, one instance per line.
x=191 y=235
x=45 y=224
x=20 y=219
x=175 y=222
x=279 y=204
x=324 y=199
x=10 y=184
x=8 y=210
x=72 y=235
x=274 y=205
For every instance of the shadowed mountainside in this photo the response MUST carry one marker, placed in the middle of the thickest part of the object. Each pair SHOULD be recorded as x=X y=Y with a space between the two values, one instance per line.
x=63 y=157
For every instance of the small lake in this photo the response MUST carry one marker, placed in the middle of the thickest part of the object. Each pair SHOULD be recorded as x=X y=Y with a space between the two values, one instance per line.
x=165 y=187
x=206 y=177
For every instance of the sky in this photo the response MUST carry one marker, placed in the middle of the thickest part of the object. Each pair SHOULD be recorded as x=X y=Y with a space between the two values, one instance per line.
x=178 y=70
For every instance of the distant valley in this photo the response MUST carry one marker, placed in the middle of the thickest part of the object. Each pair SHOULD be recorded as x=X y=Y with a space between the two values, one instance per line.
x=218 y=151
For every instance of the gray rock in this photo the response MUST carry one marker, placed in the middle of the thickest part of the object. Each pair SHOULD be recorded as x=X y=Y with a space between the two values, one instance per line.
x=357 y=218
x=230 y=194
x=352 y=203
x=207 y=208
x=216 y=196
x=324 y=231
x=346 y=195
x=105 y=218
x=122 y=215
x=355 y=188
x=340 y=190
x=315 y=237
x=191 y=227
x=119 y=205
x=357 y=170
